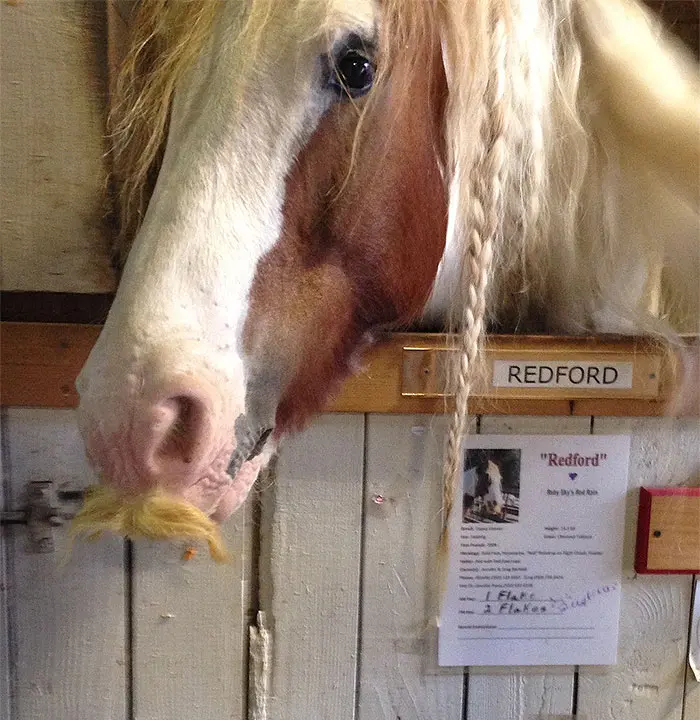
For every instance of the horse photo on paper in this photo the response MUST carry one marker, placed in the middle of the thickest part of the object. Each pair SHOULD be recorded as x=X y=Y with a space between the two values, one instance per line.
x=491 y=486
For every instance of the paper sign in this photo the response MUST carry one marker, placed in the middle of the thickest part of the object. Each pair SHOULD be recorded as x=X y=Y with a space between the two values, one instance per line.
x=536 y=552
x=563 y=374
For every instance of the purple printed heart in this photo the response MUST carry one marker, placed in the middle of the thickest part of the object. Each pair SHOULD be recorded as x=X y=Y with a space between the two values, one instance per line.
x=573 y=476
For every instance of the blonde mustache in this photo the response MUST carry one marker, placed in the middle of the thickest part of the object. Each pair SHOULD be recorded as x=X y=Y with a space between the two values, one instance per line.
x=154 y=515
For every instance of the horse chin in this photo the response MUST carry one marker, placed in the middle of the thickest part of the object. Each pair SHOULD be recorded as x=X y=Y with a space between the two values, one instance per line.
x=221 y=497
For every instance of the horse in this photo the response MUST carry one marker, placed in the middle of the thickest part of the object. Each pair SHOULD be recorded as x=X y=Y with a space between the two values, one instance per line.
x=484 y=482
x=296 y=177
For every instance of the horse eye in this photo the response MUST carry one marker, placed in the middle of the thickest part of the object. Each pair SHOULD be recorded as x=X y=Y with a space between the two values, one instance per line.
x=353 y=74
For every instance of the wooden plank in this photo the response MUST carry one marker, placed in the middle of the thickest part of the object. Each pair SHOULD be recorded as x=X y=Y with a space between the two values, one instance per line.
x=47 y=344
x=4 y=576
x=606 y=407
x=523 y=373
x=668 y=531
x=55 y=307
x=67 y=614
x=190 y=629
x=380 y=386
x=527 y=692
x=310 y=570
x=118 y=23
x=40 y=363
x=648 y=681
x=691 y=699
x=54 y=232
x=401 y=534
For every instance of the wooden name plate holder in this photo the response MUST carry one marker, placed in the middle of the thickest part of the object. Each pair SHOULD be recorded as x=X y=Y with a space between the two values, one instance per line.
x=668 y=531
x=524 y=375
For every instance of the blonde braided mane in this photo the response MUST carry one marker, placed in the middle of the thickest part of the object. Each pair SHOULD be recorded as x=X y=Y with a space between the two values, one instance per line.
x=483 y=230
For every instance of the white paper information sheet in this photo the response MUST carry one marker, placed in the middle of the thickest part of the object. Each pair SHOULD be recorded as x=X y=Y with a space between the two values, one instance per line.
x=536 y=552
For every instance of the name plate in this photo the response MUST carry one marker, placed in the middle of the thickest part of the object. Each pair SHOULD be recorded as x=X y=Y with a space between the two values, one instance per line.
x=562 y=374
x=538 y=374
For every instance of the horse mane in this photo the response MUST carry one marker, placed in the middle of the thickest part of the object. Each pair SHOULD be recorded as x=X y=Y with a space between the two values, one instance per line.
x=569 y=161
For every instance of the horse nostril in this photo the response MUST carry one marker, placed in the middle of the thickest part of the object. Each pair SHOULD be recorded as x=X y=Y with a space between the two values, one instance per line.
x=184 y=427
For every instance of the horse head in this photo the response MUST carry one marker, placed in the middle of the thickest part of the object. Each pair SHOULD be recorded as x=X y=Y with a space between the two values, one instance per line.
x=328 y=168
x=295 y=215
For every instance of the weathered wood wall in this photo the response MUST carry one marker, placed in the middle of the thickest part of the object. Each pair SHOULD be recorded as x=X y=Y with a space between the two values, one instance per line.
x=133 y=632
x=54 y=196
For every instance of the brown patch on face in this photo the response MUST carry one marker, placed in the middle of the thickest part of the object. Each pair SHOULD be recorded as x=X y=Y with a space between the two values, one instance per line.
x=360 y=260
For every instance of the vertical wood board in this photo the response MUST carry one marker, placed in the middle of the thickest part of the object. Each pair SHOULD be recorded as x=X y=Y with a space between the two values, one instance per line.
x=67 y=613
x=400 y=585
x=528 y=692
x=4 y=576
x=310 y=570
x=648 y=681
x=190 y=629
x=52 y=158
x=691 y=699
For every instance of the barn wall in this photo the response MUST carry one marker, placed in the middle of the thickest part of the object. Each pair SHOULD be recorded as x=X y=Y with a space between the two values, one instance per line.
x=118 y=631
x=55 y=58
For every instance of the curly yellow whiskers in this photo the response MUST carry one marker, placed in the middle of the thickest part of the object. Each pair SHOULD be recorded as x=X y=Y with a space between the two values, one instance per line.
x=155 y=515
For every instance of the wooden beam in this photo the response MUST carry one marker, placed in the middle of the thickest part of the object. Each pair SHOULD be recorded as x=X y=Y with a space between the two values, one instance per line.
x=405 y=374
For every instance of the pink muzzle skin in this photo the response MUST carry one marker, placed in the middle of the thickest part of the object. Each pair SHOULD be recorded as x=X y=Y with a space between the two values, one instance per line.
x=170 y=420
x=179 y=439
x=219 y=491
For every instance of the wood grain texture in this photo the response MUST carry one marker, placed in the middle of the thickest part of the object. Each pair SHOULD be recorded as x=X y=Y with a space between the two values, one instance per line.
x=426 y=372
x=532 y=692
x=310 y=570
x=399 y=587
x=67 y=616
x=648 y=681
x=190 y=629
x=668 y=531
x=53 y=192
x=40 y=362
x=4 y=575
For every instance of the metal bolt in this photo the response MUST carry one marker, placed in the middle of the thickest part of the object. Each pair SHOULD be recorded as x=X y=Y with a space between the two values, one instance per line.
x=657 y=533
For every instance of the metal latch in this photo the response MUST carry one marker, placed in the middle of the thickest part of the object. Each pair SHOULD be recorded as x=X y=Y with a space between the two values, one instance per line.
x=43 y=512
